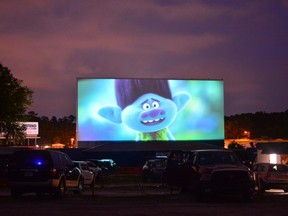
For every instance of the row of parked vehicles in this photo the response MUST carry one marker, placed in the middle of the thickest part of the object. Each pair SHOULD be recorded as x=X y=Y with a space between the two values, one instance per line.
x=215 y=171
x=202 y=172
x=53 y=172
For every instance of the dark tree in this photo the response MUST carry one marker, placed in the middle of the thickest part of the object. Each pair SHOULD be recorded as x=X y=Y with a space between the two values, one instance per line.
x=14 y=101
x=55 y=130
x=260 y=125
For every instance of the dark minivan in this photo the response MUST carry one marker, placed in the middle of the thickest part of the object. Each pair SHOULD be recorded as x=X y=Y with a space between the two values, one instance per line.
x=43 y=171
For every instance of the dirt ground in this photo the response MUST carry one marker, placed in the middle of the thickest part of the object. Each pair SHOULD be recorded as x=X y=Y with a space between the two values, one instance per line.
x=142 y=201
x=122 y=195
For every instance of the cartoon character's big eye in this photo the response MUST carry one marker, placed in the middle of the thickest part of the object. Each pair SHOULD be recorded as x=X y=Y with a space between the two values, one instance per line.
x=146 y=106
x=155 y=104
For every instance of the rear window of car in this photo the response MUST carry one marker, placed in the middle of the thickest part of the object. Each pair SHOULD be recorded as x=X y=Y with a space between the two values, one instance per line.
x=90 y=164
x=32 y=158
x=157 y=163
x=207 y=158
x=278 y=168
x=85 y=166
x=260 y=168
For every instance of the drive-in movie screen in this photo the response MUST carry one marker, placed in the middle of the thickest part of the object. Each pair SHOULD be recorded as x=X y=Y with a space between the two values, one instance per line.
x=149 y=110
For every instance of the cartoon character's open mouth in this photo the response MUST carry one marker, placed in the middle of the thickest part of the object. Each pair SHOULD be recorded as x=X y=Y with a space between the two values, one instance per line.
x=152 y=122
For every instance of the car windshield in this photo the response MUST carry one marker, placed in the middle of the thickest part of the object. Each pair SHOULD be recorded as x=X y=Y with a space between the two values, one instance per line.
x=157 y=163
x=207 y=158
x=90 y=164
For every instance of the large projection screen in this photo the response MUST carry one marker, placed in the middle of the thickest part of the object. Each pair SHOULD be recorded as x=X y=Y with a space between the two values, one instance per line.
x=141 y=110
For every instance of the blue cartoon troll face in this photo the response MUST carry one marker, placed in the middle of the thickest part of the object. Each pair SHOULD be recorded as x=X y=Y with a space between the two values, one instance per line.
x=147 y=113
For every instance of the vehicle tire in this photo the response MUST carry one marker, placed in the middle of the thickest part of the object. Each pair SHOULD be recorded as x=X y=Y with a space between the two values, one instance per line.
x=16 y=193
x=199 y=193
x=144 y=177
x=60 y=190
x=261 y=187
x=200 y=197
x=92 y=185
x=98 y=176
x=80 y=186
x=248 y=195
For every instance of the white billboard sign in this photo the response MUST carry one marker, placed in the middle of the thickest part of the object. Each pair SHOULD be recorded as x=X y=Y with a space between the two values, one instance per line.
x=31 y=128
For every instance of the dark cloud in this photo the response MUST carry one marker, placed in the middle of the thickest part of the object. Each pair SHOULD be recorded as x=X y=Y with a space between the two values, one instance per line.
x=48 y=44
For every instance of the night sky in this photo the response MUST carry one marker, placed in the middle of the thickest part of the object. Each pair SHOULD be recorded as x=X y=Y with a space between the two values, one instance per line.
x=49 y=44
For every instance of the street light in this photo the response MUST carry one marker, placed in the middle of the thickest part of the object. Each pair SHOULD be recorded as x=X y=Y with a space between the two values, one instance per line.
x=247 y=134
x=72 y=142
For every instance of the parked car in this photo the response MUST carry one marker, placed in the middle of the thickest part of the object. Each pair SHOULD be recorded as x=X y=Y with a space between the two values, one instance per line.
x=271 y=176
x=43 y=171
x=210 y=172
x=108 y=166
x=154 y=169
x=95 y=169
x=86 y=173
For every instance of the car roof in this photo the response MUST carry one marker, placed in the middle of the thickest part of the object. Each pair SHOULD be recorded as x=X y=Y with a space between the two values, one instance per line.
x=212 y=150
x=157 y=159
x=266 y=163
x=81 y=162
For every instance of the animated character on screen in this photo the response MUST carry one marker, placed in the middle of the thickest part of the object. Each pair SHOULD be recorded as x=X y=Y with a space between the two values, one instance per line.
x=145 y=106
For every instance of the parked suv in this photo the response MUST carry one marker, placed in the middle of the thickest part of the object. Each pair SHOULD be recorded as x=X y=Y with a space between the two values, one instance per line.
x=215 y=171
x=43 y=171
x=271 y=176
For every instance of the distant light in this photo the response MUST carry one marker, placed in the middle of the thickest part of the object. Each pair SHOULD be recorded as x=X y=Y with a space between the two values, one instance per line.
x=273 y=158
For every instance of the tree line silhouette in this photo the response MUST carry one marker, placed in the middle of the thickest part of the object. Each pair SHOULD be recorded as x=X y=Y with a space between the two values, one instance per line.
x=54 y=130
x=261 y=125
